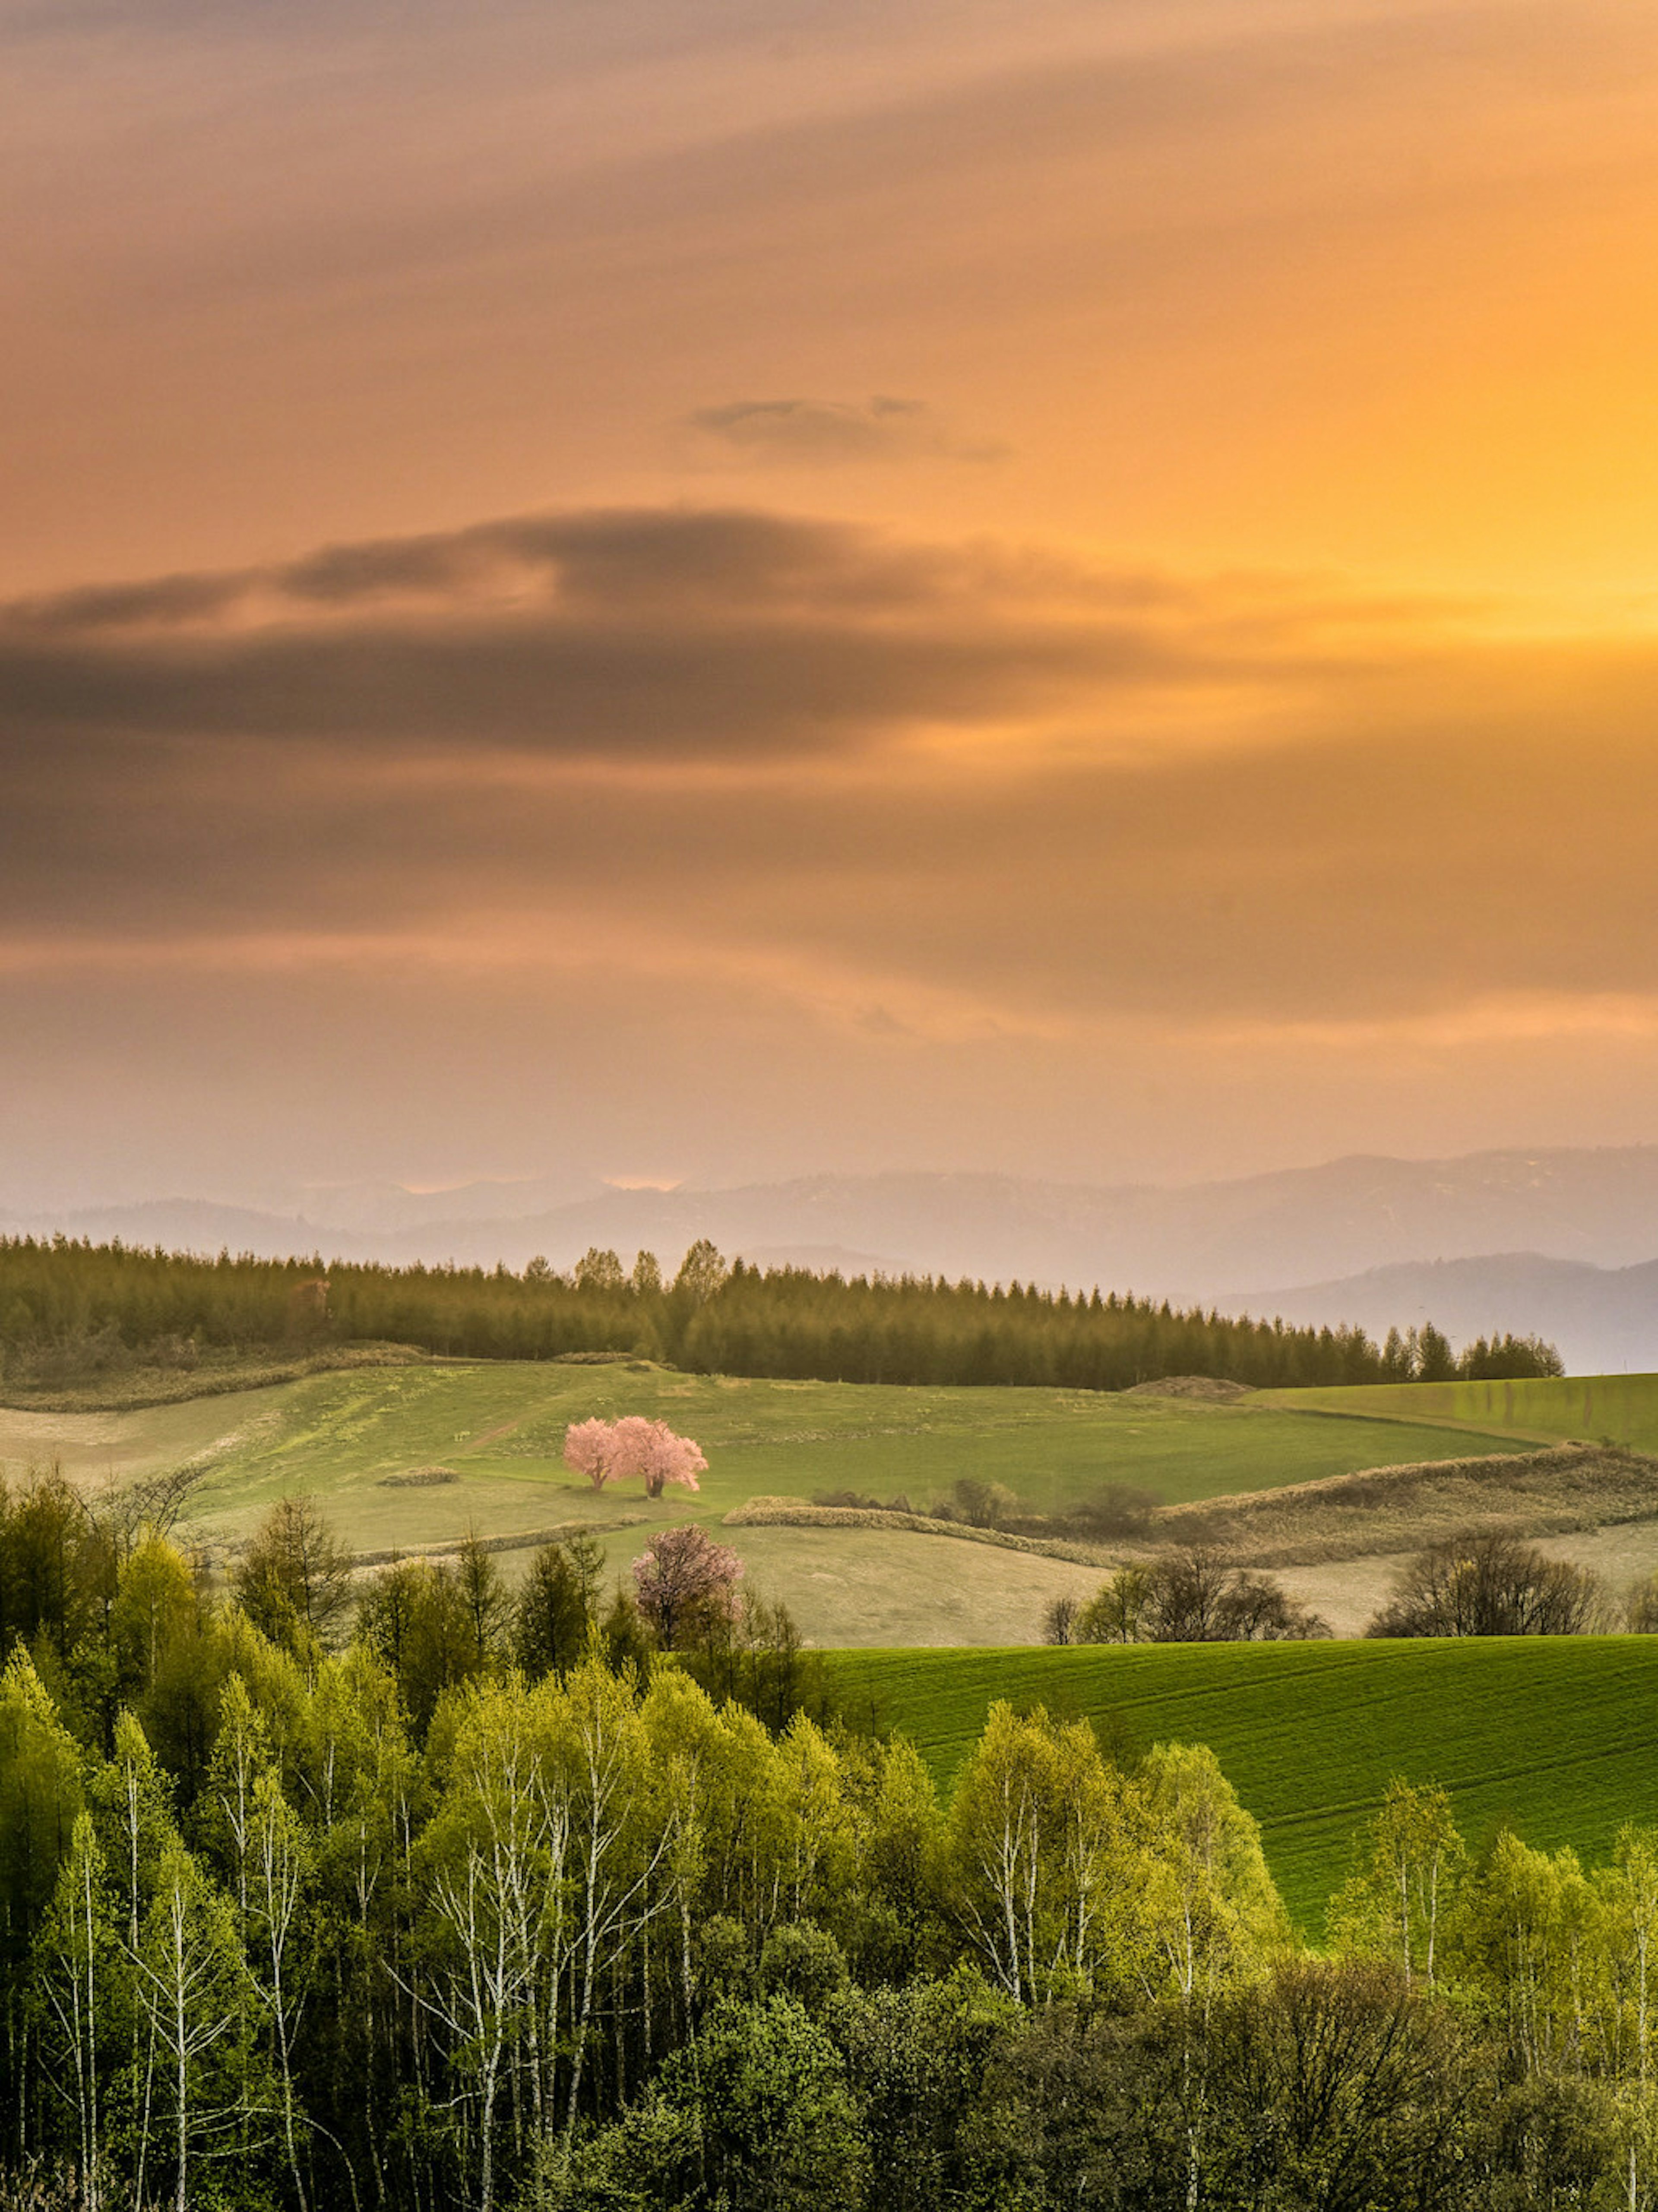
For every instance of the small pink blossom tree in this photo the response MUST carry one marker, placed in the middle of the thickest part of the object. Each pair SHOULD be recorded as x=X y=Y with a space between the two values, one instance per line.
x=685 y=1582
x=665 y=1456
x=590 y=1450
x=612 y=1451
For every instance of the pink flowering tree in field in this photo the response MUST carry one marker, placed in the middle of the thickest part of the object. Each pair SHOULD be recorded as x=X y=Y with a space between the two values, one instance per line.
x=590 y=1450
x=685 y=1582
x=665 y=1456
x=614 y=1451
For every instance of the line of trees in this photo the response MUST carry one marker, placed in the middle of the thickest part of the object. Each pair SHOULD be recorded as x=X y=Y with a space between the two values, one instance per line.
x=1488 y=1583
x=70 y=1309
x=1481 y=1581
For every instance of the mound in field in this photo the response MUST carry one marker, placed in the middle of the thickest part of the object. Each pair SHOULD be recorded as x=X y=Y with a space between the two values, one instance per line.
x=802 y=1513
x=418 y=1478
x=1205 y=1389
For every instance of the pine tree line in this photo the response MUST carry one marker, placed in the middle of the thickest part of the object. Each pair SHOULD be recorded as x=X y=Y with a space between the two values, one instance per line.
x=69 y=1310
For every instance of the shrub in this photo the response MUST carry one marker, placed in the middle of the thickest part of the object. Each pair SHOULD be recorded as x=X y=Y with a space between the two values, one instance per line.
x=1193 y=1596
x=1489 y=1583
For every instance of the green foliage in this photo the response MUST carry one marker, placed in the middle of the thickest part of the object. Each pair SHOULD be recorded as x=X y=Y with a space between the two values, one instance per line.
x=1320 y=2086
x=293 y=1580
x=597 y=1940
x=645 y=2161
x=40 y=1793
x=803 y=1961
x=1341 y=2083
x=57 y=1567
x=156 y=1608
x=752 y=1652
x=1037 y=1818
x=918 y=2055
x=1407 y=1885
x=776 y=2124
x=1210 y=1906
x=415 y=1619
x=556 y=1606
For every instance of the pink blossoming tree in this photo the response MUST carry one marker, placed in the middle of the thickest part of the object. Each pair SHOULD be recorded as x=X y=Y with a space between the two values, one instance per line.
x=685 y=1582
x=664 y=1457
x=614 y=1451
x=589 y=1450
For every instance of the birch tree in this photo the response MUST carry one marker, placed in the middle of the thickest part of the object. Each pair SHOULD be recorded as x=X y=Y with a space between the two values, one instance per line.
x=39 y=1796
x=1211 y=1912
x=493 y=1863
x=1045 y=1861
x=1629 y=1889
x=619 y=1843
x=189 y=1980
x=78 y=1949
x=1398 y=1901
x=279 y=1859
x=1526 y=1936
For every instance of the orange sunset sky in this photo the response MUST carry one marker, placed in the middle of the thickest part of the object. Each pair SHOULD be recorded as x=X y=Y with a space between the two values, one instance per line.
x=713 y=588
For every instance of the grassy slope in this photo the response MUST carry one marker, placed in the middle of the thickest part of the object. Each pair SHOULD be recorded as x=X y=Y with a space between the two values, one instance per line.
x=501 y=1427
x=1623 y=1409
x=1556 y=1736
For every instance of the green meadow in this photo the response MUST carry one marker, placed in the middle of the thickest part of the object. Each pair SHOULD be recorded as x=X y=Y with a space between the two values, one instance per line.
x=498 y=1428
x=486 y=1440
x=1555 y=1737
x=1619 y=1409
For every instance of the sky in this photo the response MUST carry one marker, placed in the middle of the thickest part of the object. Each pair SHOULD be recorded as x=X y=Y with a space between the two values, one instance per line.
x=706 y=590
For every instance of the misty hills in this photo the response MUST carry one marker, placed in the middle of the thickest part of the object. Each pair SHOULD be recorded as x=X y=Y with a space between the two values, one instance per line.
x=1601 y=1321
x=1561 y=1242
x=1304 y=1225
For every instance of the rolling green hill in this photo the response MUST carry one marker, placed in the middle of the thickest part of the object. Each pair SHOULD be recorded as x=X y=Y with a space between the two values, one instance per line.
x=1620 y=1408
x=487 y=1437
x=1557 y=1737
x=498 y=1427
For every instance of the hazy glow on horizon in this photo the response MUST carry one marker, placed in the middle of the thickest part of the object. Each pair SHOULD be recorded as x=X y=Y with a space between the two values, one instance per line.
x=742 y=588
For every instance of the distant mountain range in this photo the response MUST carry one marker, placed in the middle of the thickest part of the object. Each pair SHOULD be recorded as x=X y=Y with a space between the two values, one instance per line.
x=1562 y=1242
x=1602 y=1321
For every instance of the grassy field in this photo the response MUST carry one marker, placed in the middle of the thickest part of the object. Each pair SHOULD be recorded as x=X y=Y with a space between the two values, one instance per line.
x=1557 y=1737
x=496 y=1429
x=505 y=1423
x=1618 y=1408
x=501 y=1427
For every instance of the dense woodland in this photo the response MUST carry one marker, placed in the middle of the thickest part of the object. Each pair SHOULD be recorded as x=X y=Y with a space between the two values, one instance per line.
x=432 y=1900
x=68 y=1310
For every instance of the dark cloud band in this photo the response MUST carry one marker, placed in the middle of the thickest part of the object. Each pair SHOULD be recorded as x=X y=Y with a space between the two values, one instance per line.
x=992 y=774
